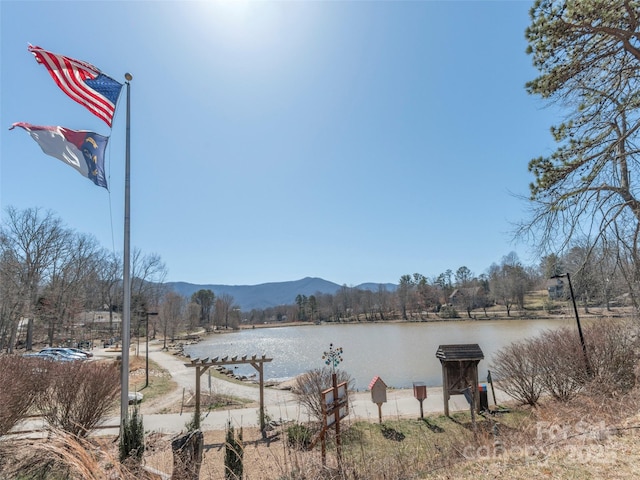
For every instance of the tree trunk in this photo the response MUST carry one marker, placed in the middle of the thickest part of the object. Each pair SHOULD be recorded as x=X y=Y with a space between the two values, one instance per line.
x=187 y=456
x=29 y=341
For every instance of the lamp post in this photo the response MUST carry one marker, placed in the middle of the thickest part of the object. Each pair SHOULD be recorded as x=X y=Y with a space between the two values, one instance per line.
x=146 y=331
x=575 y=311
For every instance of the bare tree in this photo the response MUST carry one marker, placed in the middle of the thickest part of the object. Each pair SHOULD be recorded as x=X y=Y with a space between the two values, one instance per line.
x=148 y=273
x=205 y=299
x=32 y=240
x=10 y=300
x=223 y=311
x=109 y=273
x=509 y=282
x=406 y=288
x=172 y=314
x=65 y=294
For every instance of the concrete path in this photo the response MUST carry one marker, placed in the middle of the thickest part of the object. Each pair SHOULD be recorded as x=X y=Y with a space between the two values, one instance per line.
x=282 y=404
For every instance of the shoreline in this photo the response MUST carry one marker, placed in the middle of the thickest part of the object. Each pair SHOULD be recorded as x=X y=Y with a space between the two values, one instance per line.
x=197 y=337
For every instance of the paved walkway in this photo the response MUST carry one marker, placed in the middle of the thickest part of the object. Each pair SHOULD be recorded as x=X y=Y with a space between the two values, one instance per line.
x=281 y=404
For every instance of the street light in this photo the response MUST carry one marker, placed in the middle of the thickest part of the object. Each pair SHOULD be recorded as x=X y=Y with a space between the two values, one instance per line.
x=146 y=382
x=575 y=310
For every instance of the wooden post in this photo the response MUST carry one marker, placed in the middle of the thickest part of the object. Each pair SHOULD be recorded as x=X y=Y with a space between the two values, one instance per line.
x=379 y=413
x=187 y=456
x=334 y=381
x=445 y=389
x=474 y=396
x=493 y=392
x=476 y=392
x=263 y=427
x=196 y=419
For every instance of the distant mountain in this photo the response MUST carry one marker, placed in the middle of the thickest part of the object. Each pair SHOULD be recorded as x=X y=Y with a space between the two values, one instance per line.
x=273 y=294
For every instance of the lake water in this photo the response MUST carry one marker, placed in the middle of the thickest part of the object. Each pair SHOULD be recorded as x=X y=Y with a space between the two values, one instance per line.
x=400 y=353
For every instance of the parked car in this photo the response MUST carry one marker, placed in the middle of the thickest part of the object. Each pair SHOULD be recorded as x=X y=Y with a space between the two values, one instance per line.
x=80 y=352
x=64 y=353
x=40 y=355
x=135 y=398
x=50 y=355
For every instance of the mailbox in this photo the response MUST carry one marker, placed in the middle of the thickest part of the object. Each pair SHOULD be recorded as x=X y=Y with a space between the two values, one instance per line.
x=419 y=390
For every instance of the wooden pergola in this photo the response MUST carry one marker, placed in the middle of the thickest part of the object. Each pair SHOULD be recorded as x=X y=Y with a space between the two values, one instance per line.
x=202 y=365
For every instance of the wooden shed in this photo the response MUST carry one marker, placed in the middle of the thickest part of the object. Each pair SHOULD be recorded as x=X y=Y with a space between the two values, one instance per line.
x=459 y=371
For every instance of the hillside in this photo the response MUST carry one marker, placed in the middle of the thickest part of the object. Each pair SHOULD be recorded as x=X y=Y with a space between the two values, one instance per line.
x=267 y=295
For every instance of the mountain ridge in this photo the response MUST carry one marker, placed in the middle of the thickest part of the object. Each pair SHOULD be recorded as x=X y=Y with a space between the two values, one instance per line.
x=271 y=294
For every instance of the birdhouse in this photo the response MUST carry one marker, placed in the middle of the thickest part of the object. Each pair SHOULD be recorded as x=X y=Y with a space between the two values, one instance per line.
x=419 y=390
x=378 y=390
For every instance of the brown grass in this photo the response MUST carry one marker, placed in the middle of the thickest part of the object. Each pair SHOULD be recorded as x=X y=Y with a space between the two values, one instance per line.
x=586 y=438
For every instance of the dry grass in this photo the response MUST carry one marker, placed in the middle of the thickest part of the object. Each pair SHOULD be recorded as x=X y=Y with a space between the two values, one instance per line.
x=63 y=455
x=587 y=438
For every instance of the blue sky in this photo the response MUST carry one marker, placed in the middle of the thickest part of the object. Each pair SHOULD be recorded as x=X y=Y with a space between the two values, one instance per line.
x=353 y=141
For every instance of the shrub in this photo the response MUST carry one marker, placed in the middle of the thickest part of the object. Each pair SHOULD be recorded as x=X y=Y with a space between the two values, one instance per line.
x=308 y=388
x=77 y=394
x=233 y=454
x=560 y=358
x=448 y=311
x=612 y=356
x=299 y=436
x=554 y=363
x=132 y=438
x=518 y=372
x=20 y=385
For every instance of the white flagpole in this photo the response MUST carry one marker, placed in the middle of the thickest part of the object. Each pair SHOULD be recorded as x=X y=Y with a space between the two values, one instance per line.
x=126 y=305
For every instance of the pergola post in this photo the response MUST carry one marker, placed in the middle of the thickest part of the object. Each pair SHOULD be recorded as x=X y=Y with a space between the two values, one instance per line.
x=260 y=368
x=197 y=414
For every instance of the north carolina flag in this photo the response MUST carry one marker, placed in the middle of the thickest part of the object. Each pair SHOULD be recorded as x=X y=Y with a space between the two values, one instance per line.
x=82 y=150
x=82 y=82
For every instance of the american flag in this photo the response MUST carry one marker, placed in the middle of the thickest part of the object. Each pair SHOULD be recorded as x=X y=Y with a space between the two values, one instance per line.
x=82 y=82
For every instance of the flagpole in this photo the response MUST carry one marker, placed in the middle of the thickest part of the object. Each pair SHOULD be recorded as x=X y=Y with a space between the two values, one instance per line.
x=126 y=305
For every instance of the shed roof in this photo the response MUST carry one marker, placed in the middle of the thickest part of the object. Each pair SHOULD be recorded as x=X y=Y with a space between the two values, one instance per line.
x=467 y=351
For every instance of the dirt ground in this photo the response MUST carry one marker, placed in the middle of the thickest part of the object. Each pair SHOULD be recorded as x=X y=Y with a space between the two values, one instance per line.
x=614 y=458
x=263 y=459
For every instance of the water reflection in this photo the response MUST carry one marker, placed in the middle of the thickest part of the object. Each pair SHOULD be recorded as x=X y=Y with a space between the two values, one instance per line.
x=400 y=353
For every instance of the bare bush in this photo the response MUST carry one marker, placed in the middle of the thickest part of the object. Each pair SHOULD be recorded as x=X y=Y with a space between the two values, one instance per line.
x=612 y=353
x=18 y=388
x=78 y=395
x=561 y=362
x=518 y=372
x=554 y=362
x=308 y=388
